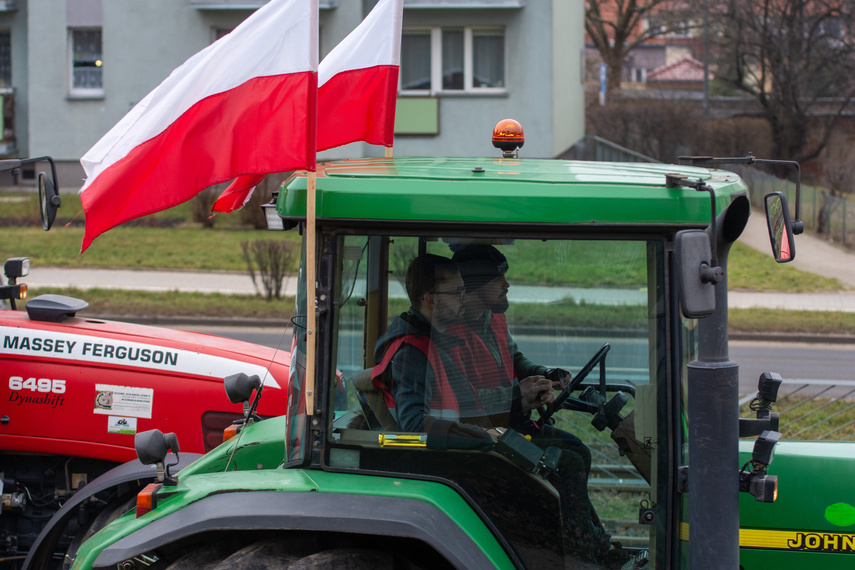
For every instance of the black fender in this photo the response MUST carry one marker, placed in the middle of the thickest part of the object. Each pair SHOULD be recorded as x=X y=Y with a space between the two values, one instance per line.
x=310 y=511
x=40 y=554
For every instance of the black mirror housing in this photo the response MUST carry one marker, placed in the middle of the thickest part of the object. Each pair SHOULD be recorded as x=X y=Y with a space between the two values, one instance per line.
x=694 y=264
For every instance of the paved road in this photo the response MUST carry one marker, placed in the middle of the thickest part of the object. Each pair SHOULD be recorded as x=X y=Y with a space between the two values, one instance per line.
x=798 y=363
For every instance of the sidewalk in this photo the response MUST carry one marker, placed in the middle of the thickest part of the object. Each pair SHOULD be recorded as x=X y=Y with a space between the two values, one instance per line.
x=813 y=254
x=228 y=282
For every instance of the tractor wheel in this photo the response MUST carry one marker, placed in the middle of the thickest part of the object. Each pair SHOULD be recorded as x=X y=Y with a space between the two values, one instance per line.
x=108 y=514
x=347 y=559
x=206 y=557
x=276 y=554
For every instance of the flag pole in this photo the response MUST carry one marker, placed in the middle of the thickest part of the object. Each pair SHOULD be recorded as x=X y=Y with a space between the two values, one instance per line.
x=388 y=152
x=311 y=293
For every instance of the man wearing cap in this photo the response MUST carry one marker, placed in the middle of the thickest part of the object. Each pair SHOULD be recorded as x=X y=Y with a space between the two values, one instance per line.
x=495 y=364
x=419 y=366
x=425 y=373
x=498 y=362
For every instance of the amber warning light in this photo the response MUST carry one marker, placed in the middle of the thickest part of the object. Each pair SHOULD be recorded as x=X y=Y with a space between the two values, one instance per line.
x=508 y=136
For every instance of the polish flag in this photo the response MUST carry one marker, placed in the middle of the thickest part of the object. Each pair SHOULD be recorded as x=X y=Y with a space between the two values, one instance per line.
x=246 y=104
x=357 y=90
x=358 y=81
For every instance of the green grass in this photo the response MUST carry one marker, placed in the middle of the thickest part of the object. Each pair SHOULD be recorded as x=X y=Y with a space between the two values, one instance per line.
x=185 y=247
x=752 y=270
x=775 y=320
x=25 y=205
x=810 y=419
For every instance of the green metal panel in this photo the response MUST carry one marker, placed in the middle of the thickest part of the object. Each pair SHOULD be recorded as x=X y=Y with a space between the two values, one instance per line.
x=508 y=191
x=812 y=522
x=261 y=445
x=201 y=485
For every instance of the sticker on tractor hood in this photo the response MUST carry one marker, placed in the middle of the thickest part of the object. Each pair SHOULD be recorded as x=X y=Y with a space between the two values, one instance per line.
x=124 y=400
x=121 y=425
x=84 y=348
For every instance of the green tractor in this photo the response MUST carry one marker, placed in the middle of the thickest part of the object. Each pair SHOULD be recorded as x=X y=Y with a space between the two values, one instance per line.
x=615 y=272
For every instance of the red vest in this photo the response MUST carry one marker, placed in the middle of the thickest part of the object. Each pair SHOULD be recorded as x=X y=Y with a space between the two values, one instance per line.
x=482 y=369
x=444 y=403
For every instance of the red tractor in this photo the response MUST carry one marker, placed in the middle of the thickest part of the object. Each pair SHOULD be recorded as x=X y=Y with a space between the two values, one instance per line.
x=76 y=390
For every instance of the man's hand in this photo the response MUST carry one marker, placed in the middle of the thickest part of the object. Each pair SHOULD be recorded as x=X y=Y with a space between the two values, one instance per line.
x=535 y=391
x=560 y=378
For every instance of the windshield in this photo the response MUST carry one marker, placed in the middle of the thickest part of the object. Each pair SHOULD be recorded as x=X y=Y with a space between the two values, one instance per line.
x=524 y=372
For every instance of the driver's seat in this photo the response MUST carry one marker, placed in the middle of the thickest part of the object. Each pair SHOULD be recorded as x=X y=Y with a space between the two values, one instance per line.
x=374 y=410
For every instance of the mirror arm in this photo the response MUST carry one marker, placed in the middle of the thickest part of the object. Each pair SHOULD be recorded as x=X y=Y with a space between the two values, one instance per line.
x=681 y=180
x=797 y=225
x=52 y=167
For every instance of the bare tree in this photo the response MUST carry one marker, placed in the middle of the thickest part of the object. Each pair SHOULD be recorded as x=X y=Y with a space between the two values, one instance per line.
x=267 y=262
x=797 y=58
x=616 y=27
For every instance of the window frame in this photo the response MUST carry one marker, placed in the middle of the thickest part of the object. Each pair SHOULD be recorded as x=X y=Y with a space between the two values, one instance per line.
x=84 y=92
x=8 y=64
x=436 y=88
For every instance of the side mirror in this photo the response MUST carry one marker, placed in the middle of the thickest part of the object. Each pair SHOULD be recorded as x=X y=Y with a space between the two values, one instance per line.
x=780 y=228
x=696 y=275
x=49 y=200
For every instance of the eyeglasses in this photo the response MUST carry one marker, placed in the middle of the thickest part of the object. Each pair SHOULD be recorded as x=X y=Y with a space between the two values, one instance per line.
x=455 y=293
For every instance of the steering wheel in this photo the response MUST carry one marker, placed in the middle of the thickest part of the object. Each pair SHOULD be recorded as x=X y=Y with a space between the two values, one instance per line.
x=564 y=400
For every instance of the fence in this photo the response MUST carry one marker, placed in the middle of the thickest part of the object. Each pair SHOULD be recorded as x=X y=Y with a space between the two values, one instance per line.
x=596 y=148
x=814 y=410
x=814 y=204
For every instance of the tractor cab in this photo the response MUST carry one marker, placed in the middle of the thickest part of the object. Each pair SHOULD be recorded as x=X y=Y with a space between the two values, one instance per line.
x=559 y=271
x=496 y=363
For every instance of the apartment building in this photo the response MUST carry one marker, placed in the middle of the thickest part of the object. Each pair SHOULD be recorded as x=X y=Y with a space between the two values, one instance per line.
x=70 y=69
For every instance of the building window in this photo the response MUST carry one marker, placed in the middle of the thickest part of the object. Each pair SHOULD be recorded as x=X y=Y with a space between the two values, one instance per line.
x=5 y=59
x=86 y=62
x=469 y=59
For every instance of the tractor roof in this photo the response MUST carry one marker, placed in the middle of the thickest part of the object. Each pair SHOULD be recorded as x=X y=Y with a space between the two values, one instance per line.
x=508 y=191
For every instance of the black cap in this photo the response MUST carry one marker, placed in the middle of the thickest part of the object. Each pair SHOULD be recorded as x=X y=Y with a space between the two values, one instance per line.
x=479 y=264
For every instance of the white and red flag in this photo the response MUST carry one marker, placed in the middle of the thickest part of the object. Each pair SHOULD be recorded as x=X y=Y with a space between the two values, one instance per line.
x=358 y=81
x=357 y=90
x=245 y=105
